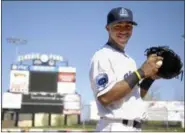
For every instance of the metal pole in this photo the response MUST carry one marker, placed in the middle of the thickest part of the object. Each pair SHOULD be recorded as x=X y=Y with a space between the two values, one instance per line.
x=82 y=109
x=67 y=63
x=16 y=52
x=83 y=119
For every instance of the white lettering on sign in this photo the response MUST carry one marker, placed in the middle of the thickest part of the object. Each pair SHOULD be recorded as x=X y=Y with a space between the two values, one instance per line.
x=38 y=56
x=19 y=67
x=46 y=98
x=43 y=68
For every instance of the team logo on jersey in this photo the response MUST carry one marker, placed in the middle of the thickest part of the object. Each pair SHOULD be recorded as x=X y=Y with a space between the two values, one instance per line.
x=123 y=12
x=102 y=80
x=127 y=74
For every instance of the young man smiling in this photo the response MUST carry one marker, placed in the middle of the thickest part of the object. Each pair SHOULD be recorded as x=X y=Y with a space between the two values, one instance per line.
x=117 y=83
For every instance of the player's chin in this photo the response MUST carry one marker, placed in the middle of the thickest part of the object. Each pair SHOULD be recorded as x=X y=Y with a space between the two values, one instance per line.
x=122 y=41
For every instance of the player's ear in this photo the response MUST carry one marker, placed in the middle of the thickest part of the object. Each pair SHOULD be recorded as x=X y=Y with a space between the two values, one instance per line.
x=107 y=27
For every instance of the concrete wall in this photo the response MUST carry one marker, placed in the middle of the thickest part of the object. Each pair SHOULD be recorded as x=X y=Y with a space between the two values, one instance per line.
x=25 y=120
x=41 y=119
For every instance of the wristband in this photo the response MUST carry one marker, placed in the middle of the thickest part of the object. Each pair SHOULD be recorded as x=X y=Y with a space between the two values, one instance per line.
x=138 y=75
x=141 y=72
x=132 y=80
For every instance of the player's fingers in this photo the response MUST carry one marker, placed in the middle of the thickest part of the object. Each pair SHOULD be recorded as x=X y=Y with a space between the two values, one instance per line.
x=159 y=58
x=157 y=66
x=153 y=55
x=155 y=70
x=156 y=58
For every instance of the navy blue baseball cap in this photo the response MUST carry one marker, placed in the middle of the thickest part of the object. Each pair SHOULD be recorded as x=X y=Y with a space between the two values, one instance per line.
x=120 y=14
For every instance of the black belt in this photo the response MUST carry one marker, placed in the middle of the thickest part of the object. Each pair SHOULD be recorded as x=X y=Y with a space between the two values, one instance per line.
x=136 y=124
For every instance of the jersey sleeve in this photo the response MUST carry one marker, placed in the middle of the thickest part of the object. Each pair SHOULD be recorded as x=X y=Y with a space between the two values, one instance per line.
x=102 y=76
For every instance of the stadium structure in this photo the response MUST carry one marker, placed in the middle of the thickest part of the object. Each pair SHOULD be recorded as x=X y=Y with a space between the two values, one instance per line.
x=41 y=83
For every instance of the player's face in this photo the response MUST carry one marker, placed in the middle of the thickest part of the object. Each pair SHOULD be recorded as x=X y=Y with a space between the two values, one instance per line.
x=120 y=32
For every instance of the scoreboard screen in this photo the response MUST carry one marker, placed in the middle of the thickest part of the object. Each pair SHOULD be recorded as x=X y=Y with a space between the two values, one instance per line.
x=43 y=81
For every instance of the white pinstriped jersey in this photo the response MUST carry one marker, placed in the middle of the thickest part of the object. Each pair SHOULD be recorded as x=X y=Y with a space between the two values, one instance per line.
x=109 y=66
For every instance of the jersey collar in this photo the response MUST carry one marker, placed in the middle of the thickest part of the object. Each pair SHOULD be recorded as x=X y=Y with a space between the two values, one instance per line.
x=112 y=45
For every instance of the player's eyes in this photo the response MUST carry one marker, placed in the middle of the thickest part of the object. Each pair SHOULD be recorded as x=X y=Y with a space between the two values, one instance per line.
x=129 y=27
x=116 y=27
x=125 y=27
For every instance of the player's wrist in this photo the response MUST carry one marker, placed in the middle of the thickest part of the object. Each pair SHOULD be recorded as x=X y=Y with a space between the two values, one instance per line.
x=140 y=73
x=146 y=83
x=134 y=78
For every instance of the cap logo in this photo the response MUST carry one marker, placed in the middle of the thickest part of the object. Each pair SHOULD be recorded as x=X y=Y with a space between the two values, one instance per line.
x=123 y=12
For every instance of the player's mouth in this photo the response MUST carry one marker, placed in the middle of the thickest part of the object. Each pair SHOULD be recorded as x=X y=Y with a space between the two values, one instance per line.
x=123 y=36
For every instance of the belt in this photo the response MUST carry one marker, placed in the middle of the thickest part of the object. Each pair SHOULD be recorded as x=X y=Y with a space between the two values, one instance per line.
x=133 y=123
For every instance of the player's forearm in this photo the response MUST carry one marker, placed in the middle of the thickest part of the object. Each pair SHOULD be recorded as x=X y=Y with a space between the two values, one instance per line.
x=120 y=89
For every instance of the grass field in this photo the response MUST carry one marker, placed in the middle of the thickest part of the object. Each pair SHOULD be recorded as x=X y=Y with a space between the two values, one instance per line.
x=90 y=126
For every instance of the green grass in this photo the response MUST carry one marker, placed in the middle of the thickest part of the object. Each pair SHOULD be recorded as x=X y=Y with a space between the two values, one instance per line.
x=169 y=129
x=146 y=127
x=92 y=128
x=87 y=128
x=75 y=127
x=160 y=126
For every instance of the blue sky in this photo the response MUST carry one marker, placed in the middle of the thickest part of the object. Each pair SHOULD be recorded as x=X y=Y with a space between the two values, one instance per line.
x=76 y=29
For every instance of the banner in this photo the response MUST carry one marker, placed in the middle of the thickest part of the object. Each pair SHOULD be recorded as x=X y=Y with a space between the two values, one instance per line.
x=66 y=77
x=72 y=104
x=11 y=101
x=44 y=68
x=19 y=67
x=42 y=102
x=19 y=81
x=66 y=80
x=70 y=112
x=42 y=99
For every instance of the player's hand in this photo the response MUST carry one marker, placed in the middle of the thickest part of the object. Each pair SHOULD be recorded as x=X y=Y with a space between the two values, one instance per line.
x=150 y=67
x=154 y=77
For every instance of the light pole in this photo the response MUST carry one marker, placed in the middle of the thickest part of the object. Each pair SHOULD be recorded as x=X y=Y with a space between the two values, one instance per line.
x=84 y=109
x=16 y=42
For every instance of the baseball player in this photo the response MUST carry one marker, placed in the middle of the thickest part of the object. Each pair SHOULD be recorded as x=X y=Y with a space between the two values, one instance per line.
x=117 y=83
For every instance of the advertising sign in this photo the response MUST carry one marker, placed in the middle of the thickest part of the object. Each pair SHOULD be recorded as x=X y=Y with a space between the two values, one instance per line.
x=70 y=112
x=19 y=67
x=72 y=104
x=66 y=80
x=42 y=103
x=42 y=99
x=19 y=81
x=44 y=68
x=66 y=77
x=11 y=101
